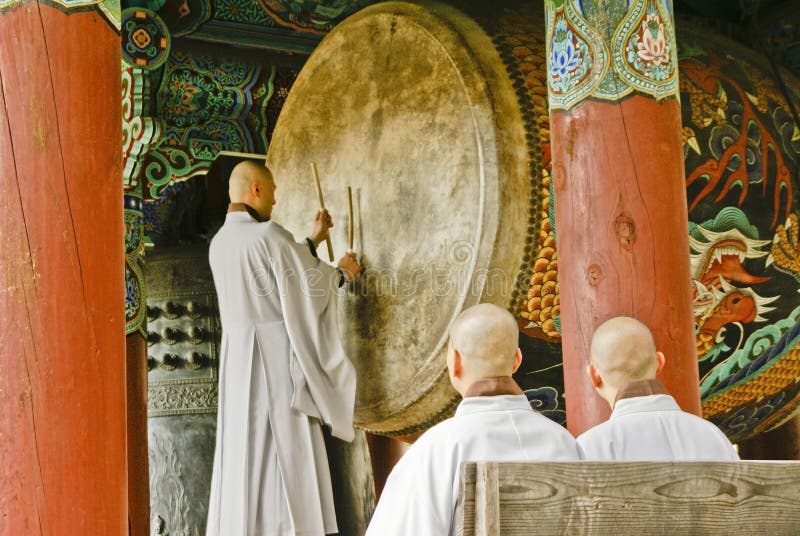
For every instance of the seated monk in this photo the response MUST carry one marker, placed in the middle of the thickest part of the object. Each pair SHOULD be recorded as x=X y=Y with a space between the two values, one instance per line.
x=646 y=423
x=494 y=422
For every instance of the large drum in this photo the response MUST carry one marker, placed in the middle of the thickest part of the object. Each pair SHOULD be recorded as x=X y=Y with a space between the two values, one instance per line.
x=416 y=109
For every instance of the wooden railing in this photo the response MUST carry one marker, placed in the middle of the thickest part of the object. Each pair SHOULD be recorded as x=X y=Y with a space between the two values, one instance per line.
x=629 y=498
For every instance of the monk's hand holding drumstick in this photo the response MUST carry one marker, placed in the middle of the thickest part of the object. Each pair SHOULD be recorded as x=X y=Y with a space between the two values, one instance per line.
x=322 y=224
x=321 y=206
x=349 y=265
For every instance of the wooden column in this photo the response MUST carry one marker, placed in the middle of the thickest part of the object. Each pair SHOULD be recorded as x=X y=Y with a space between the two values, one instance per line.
x=384 y=454
x=782 y=443
x=139 y=131
x=62 y=344
x=138 y=462
x=620 y=201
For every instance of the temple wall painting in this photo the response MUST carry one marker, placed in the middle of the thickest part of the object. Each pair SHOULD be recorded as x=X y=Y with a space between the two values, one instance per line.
x=742 y=194
x=185 y=103
x=176 y=120
x=741 y=185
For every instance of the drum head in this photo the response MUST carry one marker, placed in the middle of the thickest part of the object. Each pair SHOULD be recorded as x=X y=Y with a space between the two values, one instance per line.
x=410 y=106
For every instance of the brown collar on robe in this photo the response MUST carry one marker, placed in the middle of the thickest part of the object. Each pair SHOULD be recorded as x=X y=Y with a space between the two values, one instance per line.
x=641 y=388
x=244 y=207
x=500 y=385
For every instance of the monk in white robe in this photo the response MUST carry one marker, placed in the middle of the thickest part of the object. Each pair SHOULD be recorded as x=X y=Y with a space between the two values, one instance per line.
x=282 y=370
x=494 y=422
x=646 y=423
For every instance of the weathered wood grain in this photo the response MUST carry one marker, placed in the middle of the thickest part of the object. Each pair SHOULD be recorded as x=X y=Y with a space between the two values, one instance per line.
x=621 y=222
x=487 y=494
x=62 y=344
x=599 y=498
x=465 y=509
x=138 y=455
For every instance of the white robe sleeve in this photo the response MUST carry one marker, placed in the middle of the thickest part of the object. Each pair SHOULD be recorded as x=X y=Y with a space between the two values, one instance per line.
x=418 y=498
x=323 y=377
x=596 y=446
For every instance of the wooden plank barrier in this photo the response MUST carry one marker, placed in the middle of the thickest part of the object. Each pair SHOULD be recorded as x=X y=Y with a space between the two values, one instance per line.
x=629 y=498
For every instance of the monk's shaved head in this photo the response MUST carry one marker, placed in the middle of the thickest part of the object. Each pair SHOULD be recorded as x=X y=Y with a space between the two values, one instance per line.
x=487 y=338
x=244 y=174
x=623 y=351
x=251 y=183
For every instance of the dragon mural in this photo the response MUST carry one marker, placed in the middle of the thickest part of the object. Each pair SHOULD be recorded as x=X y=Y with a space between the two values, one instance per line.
x=719 y=250
x=741 y=189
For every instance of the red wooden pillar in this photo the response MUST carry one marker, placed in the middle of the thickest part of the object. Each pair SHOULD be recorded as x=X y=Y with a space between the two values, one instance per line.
x=384 y=454
x=620 y=201
x=62 y=344
x=138 y=474
x=140 y=132
x=782 y=443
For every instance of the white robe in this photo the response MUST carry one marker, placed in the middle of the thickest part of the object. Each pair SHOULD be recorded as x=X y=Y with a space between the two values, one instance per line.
x=282 y=370
x=653 y=428
x=420 y=496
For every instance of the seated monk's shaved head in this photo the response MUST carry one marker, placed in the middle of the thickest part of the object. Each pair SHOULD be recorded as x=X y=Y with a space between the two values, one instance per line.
x=623 y=351
x=252 y=183
x=486 y=337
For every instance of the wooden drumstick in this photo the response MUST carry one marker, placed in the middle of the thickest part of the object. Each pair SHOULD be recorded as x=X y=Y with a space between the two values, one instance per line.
x=350 y=221
x=322 y=206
